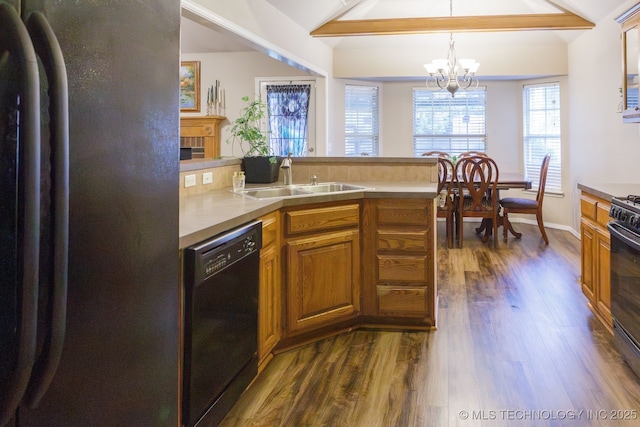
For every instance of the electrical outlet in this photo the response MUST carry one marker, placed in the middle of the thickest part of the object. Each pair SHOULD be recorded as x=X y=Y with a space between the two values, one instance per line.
x=207 y=177
x=189 y=181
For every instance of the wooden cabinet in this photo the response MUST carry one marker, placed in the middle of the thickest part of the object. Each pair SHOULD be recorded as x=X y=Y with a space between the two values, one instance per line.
x=270 y=295
x=603 y=290
x=587 y=245
x=399 y=281
x=595 y=256
x=322 y=273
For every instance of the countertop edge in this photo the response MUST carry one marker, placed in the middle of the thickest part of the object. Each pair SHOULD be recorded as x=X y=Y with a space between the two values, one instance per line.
x=253 y=209
x=197 y=164
x=607 y=191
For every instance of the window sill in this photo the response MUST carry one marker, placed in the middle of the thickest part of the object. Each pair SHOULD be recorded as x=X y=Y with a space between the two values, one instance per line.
x=559 y=194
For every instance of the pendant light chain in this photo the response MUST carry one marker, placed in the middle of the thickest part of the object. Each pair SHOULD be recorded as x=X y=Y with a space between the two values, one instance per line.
x=443 y=73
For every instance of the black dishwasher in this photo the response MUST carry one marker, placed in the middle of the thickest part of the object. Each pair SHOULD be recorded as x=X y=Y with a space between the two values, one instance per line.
x=220 y=322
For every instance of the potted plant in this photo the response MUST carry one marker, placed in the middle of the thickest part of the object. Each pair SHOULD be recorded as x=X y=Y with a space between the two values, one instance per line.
x=258 y=163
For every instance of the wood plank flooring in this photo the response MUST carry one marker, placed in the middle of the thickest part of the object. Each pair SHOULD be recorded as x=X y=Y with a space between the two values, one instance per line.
x=516 y=345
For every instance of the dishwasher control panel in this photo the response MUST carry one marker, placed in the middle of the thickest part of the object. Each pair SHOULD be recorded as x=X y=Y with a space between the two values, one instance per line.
x=217 y=261
x=220 y=252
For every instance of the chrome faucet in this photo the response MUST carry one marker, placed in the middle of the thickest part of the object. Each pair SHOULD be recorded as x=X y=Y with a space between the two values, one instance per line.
x=286 y=166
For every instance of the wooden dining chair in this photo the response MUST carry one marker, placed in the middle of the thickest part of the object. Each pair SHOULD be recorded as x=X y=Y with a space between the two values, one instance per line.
x=446 y=196
x=527 y=206
x=477 y=178
x=472 y=153
x=436 y=154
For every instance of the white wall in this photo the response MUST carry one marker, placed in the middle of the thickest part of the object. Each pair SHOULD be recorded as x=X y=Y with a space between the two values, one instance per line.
x=602 y=148
x=597 y=146
x=504 y=105
x=499 y=55
x=504 y=131
x=237 y=72
x=271 y=31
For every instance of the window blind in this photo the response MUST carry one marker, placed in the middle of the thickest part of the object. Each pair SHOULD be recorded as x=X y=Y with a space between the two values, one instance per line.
x=541 y=133
x=451 y=124
x=361 y=120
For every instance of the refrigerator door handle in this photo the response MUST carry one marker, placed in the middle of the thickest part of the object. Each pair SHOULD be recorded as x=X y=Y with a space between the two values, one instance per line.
x=15 y=39
x=48 y=49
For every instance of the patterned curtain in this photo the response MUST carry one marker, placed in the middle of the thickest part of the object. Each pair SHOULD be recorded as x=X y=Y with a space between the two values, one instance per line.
x=288 y=107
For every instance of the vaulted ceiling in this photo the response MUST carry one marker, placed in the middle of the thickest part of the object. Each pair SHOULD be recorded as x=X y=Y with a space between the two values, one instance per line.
x=420 y=16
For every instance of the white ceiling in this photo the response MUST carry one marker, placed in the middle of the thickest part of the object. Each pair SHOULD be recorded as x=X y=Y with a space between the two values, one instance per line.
x=310 y=14
x=196 y=38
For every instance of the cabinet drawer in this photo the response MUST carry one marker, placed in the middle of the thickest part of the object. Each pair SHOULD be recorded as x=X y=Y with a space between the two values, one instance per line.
x=321 y=219
x=602 y=213
x=400 y=240
x=588 y=207
x=402 y=302
x=401 y=268
x=269 y=229
x=412 y=212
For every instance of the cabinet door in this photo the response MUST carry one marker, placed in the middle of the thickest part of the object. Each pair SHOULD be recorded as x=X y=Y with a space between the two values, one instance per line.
x=587 y=234
x=269 y=302
x=603 y=265
x=270 y=297
x=323 y=280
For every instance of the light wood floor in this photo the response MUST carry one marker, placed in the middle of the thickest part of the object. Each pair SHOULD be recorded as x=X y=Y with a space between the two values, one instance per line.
x=516 y=345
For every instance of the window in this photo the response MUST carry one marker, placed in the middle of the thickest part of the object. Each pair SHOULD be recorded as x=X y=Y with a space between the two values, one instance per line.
x=541 y=133
x=361 y=120
x=451 y=124
x=288 y=107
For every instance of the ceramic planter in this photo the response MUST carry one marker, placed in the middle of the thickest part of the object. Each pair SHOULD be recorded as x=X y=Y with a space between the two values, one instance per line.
x=258 y=170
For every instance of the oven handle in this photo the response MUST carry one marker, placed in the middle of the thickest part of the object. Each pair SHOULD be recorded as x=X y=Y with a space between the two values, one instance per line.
x=627 y=237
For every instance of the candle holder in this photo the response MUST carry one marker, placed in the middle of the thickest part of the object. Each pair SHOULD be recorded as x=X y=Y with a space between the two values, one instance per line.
x=216 y=100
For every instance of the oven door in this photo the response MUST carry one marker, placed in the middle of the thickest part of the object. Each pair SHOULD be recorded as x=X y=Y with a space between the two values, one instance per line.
x=625 y=280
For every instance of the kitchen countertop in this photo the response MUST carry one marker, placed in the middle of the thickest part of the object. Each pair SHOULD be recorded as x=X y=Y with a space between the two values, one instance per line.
x=204 y=215
x=608 y=190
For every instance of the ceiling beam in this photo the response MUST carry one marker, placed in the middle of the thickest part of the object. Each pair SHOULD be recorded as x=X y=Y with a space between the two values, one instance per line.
x=452 y=24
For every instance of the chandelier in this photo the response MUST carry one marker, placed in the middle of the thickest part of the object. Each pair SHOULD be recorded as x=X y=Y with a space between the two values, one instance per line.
x=445 y=73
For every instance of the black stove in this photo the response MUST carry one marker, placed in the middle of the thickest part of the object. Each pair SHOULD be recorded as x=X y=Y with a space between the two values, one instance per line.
x=624 y=230
x=627 y=211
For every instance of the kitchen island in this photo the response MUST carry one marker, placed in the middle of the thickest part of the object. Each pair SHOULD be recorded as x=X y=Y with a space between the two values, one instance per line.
x=332 y=262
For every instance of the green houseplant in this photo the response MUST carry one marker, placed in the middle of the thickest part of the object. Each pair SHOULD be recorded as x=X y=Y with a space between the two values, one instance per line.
x=258 y=162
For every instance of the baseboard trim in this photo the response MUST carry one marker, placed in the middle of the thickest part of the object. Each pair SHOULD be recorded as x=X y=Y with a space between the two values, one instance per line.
x=531 y=222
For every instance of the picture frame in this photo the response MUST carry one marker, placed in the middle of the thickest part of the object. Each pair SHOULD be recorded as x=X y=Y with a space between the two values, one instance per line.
x=190 y=86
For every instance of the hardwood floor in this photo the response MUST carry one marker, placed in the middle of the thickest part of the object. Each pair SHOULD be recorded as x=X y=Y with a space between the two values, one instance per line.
x=516 y=345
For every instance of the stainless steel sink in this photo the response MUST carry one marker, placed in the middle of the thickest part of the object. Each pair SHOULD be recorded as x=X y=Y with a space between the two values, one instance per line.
x=330 y=187
x=300 y=190
x=268 y=192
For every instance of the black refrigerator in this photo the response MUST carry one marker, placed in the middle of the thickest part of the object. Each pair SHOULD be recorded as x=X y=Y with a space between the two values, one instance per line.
x=89 y=176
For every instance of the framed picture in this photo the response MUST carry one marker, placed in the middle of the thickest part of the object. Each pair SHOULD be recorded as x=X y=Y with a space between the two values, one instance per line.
x=190 y=86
